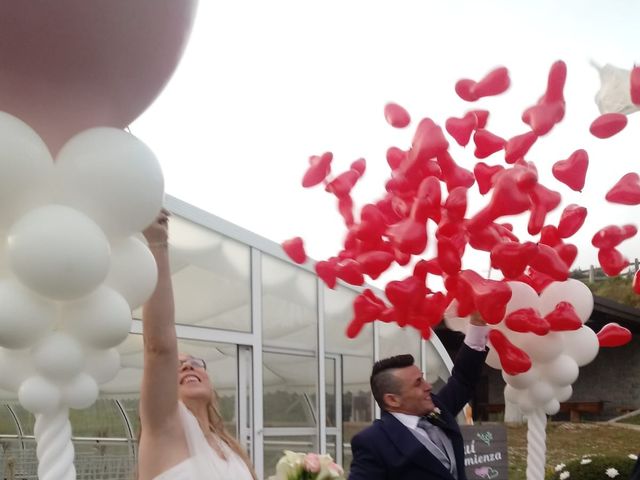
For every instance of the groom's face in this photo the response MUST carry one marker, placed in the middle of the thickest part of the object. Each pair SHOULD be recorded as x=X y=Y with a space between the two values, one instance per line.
x=414 y=397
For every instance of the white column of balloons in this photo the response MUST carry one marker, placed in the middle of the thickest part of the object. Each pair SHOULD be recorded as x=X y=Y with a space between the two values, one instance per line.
x=71 y=270
x=555 y=359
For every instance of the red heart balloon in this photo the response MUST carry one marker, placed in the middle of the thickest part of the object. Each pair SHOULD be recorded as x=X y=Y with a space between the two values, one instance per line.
x=612 y=235
x=319 y=168
x=395 y=157
x=636 y=283
x=396 y=115
x=405 y=294
x=568 y=253
x=543 y=117
x=461 y=128
x=608 y=124
x=464 y=89
x=327 y=271
x=454 y=175
x=487 y=143
x=613 y=335
x=543 y=201
x=294 y=248
x=427 y=202
x=408 y=236
x=626 y=191
x=343 y=183
x=482 y=116
x=512 y=258
x=374 y=263
x=550 y=109
x=350 y=271
x=518 y=146
x=367 y=306
x=428 y=142
x=512 y=359
x=549 y=262
x=359 y=166
x=433 y=307
x=456 y=204
x=635 y=85
x=549 y=235
x=345 y=207
x=571 y=219
x=527 y=320
x=489 y=296
x=485 y=174
x=572 y=171
x=537 y=280
x=563 y=318
x=448 y=256
x=497 y=81
x=612 y=261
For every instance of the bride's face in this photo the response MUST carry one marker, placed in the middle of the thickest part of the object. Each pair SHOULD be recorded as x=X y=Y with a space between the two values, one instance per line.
x=193 y=381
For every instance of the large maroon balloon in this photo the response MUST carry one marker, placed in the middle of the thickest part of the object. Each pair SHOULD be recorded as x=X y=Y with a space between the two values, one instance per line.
x=68 y=65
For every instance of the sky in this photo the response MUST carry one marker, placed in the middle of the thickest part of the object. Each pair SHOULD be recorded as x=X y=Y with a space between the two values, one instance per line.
x=264 y=84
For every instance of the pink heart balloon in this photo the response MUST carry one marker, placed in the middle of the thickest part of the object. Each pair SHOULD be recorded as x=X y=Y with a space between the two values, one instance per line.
x=572 y=171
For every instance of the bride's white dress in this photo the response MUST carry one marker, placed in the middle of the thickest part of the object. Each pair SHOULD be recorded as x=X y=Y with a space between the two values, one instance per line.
x=204 y=463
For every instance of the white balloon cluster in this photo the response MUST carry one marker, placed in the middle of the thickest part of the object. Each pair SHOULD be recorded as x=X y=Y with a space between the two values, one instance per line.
x=555 y=356
x=71 y=267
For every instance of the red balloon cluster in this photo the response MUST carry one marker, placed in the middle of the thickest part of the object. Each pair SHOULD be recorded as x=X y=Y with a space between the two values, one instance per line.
x=428 y=186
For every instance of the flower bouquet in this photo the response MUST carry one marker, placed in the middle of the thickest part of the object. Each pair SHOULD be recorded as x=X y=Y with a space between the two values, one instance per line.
x=307 y=466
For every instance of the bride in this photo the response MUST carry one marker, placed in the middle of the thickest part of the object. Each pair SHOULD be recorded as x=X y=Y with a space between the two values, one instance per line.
x=182 y=434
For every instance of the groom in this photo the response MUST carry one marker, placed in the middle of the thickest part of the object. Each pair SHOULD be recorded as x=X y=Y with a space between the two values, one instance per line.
x=417 y=436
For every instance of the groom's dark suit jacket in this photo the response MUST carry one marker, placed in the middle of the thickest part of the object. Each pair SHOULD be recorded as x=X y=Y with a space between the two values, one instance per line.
x=387 y=450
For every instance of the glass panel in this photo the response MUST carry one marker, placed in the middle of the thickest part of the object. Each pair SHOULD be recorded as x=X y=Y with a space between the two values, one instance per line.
x=211 y=278
x=290 y=385
x=395 y=340
x=357 y=359
x=331 y=446
x=436 y=372
x=330 y=391
x=25 y=418
x=103 y=419
x=274 y=447
x=222 y=367
x=289 y=306
x=7 y=423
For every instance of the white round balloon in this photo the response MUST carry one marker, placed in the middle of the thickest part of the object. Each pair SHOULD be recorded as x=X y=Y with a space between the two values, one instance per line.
x=103 y=365
x=541 y=393
x=39 y=395
x=58 y=357
x=563 y=370
x=26 y=166
x=573 y=291
x=552 y=407
x=15 y=367
x=111 y=176
x=81 y=392
x=453 y=321
x=24 y=317
x=58 y=252
x=512 y=394
x=539 y=348
x=102 y=319
x=522 y=380
x=563 y=393
x=522 y=296
x=582 y=345
x=526 y=404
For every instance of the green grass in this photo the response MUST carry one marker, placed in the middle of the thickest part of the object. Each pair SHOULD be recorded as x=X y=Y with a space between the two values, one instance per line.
x=567 y=441
x=635 y=420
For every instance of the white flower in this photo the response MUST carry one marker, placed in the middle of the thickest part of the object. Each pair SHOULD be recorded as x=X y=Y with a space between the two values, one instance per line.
x=633 y=457
x=564 y=475
x=584 y=461
x=612 y=472
x=560 y=466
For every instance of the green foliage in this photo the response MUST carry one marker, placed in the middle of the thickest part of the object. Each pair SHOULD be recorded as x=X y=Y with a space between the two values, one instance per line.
x=617 y=289
x=594 y=467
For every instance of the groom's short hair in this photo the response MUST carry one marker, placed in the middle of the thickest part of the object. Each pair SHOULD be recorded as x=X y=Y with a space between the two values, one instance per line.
x=382 y=378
